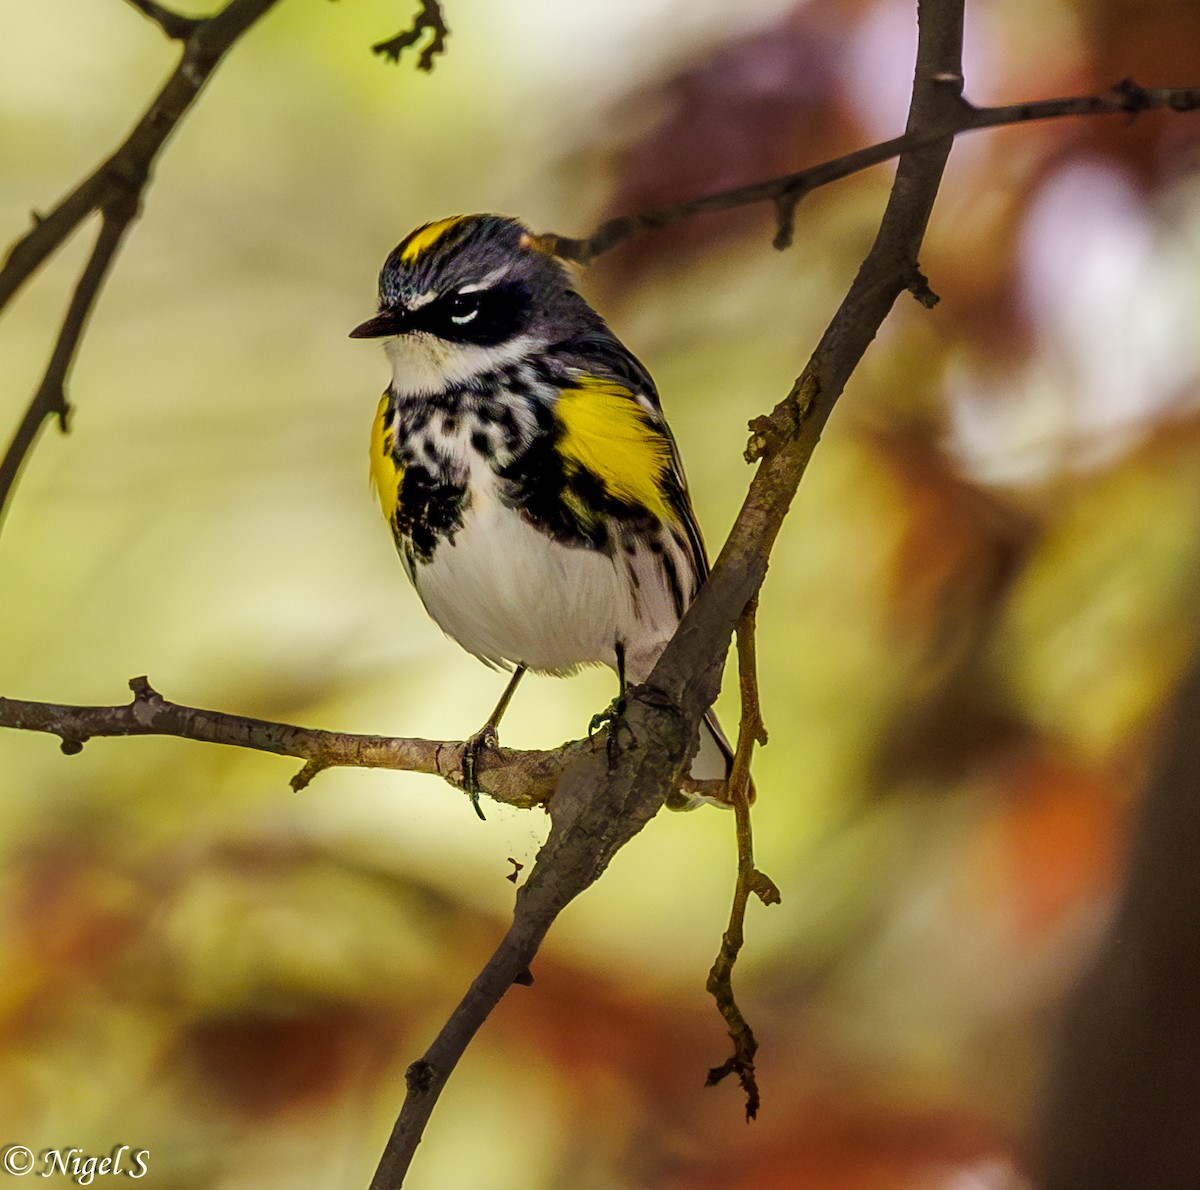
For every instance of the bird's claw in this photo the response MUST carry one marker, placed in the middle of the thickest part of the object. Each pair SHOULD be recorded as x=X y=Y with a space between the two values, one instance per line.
x=612 y=717
x=474 y=747
x=608 y=716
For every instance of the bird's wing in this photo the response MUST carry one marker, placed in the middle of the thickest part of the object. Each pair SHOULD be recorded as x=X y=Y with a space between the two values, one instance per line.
x=616 y=376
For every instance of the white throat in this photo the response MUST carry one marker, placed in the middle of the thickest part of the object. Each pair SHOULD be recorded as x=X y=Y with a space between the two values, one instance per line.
x=423 y=364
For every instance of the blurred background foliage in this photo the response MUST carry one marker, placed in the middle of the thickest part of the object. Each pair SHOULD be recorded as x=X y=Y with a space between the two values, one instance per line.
x=972 y=623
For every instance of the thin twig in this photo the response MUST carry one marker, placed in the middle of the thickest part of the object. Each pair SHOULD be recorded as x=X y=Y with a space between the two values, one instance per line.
x=430 y=19
x=114 y=190
x=173 y=24
x=750 y=881
x=787 y=190
x=50 y=400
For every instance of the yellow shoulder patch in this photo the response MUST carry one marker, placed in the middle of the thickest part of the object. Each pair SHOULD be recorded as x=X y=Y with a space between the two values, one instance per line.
x=608 y=433
x=386 y=473
x=424 y=238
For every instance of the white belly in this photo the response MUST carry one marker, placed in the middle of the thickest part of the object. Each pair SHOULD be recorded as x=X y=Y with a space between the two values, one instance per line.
x=511 y=595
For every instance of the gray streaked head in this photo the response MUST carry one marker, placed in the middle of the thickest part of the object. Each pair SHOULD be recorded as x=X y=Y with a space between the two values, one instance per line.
x=476 y=281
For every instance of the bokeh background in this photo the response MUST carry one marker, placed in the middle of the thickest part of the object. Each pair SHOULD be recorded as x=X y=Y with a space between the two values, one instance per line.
x=972 y=624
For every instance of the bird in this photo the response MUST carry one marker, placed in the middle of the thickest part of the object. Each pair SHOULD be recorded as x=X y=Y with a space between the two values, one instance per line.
x=522 y=460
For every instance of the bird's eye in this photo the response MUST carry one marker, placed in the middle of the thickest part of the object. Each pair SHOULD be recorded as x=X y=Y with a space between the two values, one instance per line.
x=463 y=307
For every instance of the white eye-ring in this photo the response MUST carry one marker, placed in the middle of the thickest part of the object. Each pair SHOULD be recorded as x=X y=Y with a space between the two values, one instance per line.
x=463 y=308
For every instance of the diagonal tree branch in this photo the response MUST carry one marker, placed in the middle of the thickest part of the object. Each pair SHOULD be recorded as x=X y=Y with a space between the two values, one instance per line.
x=114 y=190
x=597 y=808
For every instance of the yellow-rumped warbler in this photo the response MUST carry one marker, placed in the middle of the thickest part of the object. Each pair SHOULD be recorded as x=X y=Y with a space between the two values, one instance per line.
x=521 y=456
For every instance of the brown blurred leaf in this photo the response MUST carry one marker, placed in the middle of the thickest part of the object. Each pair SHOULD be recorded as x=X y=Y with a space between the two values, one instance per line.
x=1063 y=835
x=259 y=1066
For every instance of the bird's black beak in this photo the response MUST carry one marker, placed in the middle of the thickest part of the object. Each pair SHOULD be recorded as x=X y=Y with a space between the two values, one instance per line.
x=386 y=322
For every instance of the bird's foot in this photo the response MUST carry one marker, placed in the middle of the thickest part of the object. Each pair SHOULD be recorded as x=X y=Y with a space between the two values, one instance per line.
x=608 y=716
x=484 y=739
x=612 y=717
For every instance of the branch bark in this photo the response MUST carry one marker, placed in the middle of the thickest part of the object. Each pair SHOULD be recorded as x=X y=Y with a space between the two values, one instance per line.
x=750 y=881
x=174 y=25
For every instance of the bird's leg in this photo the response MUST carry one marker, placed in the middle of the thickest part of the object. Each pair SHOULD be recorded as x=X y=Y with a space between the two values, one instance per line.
x=616 y=708
x=611 y=715
x=485 y=738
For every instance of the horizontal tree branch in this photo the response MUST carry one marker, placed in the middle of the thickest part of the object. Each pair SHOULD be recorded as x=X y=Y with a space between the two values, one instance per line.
x=517 y=778
x=787 y=190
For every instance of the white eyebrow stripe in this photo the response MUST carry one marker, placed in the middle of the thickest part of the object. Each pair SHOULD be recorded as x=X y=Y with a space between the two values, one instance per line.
x=422 y=299
x=487 y=281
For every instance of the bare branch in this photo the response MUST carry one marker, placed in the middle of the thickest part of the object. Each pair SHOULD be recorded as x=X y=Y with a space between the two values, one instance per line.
x=750 y=881
x=787 y=191
x=114 y=190
x=173 y=24
x=50 y=400
x=523 y=779
x=429 y=19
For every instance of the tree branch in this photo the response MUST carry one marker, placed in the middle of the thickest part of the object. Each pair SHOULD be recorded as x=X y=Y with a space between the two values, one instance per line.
x=787 y=190
x=750 y=881
x=522 y=778
x=116 y=187
x=429 y=19
x=173 y=24
x=114 y=190
x=517 y=778
x=597 y=807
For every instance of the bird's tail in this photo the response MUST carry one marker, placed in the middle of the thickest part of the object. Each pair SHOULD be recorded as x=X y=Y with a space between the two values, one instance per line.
x=711 y=769
x=713 y=763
